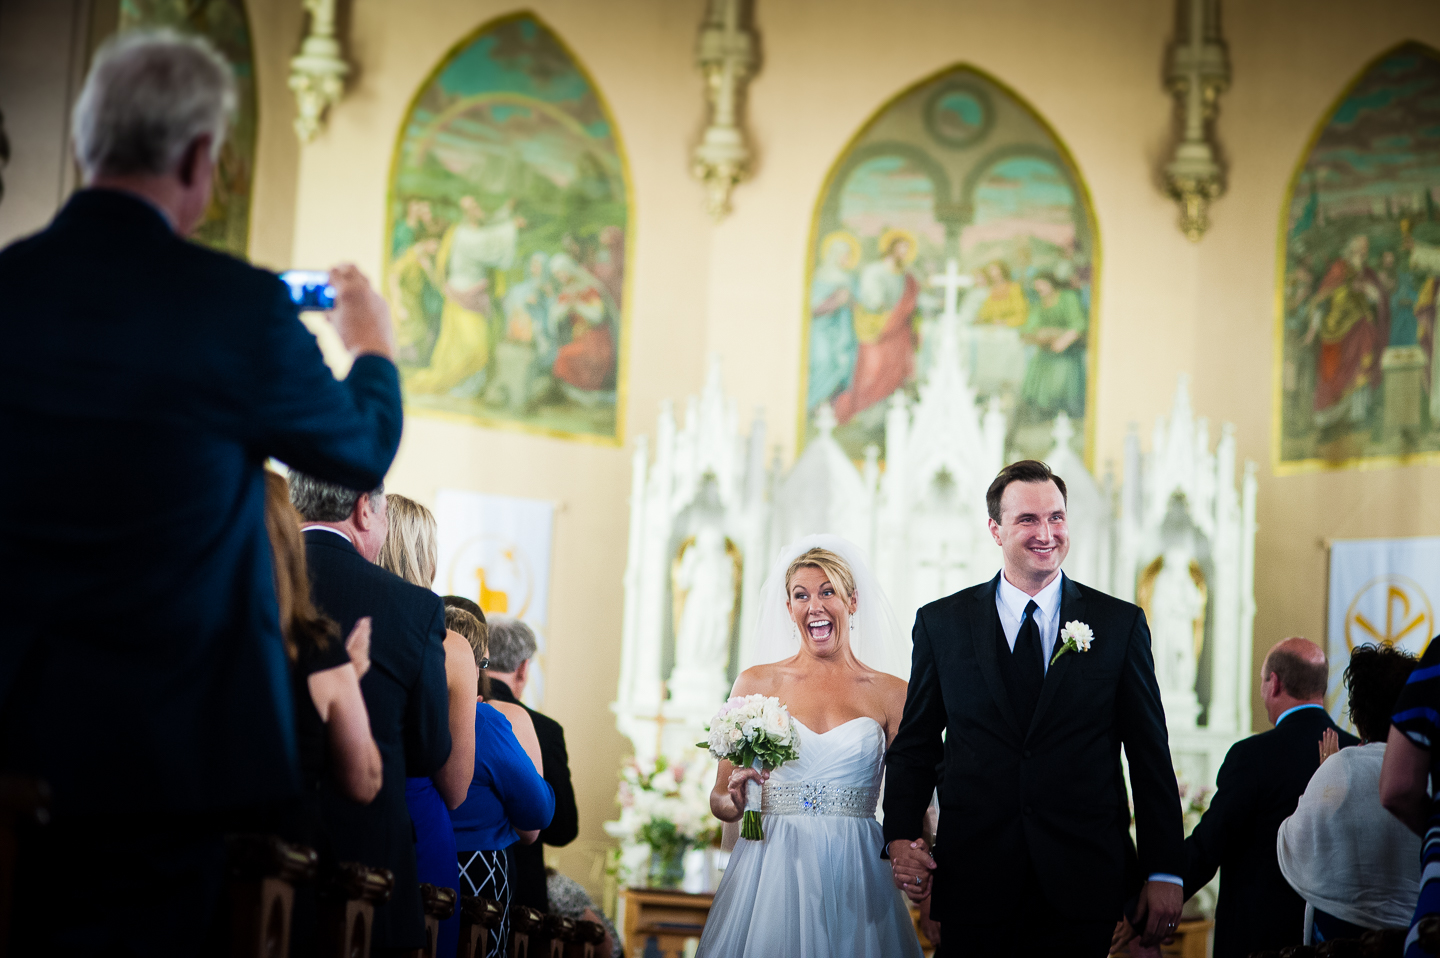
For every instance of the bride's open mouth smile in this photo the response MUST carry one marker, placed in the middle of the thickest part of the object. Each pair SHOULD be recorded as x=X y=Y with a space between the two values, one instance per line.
x=820 y=628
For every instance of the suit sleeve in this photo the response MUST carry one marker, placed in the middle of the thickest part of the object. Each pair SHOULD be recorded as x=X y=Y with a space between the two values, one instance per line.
x=427 y=712
x=1159 y=824
x=345 y=432
x=910 y=764
x=565 y=825
x=1229 y=813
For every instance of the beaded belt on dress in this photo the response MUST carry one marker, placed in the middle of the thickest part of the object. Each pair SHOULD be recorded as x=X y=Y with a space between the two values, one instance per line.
x=818 y=798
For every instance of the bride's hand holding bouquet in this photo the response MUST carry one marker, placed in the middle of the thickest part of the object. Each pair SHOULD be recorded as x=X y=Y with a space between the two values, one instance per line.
x=756 y=734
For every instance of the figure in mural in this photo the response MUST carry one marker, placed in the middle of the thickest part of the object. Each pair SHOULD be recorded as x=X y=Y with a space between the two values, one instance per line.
x=707 y=574
x=510 y=145
x=833 y=345
x=1055 y=374
x=955 y=167
x=1356 y=376
x=1177 y=602
x=585 y=365
x=884 y=313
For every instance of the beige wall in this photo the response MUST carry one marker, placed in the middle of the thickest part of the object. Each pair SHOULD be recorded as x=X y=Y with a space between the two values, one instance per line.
x=1091 y=67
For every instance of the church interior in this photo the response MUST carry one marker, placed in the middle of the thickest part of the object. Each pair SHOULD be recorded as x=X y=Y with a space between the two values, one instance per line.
x=678 y=281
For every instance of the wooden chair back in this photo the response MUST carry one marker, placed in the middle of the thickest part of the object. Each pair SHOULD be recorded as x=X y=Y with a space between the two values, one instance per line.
x=263 y=873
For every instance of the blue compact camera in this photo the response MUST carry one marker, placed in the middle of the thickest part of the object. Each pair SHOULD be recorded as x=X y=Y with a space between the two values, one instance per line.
x=310 y=288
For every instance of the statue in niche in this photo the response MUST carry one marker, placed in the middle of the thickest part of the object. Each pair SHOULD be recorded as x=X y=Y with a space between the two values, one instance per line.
x=705 y=581
x=1175 y=605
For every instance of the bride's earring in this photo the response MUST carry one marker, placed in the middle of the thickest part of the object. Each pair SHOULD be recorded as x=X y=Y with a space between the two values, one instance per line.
x=795 y=627
x=852 y=625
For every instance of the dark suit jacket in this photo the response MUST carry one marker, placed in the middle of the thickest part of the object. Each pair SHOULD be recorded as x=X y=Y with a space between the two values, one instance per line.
x=1259 y=785
x=144 y=380
x=408 y=702
x=527 y=862
x=1051 y=793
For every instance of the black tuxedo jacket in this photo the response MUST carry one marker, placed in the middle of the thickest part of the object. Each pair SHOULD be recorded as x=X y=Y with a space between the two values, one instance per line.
x=1048 y=797
x=1259 y=785
x=527 y=862
x=408 y=702
x=144 y=381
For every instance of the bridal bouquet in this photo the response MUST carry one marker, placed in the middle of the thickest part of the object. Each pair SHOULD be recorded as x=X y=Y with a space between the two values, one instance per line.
x=758 y=732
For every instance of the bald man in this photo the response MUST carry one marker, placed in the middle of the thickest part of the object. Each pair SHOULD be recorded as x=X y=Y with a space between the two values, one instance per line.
x=1258 y=787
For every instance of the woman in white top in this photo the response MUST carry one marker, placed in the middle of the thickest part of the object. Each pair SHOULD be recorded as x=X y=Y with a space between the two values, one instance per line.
x=1355 y=864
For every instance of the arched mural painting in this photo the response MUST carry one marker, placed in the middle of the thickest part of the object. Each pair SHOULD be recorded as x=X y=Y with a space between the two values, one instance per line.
x=1356 y=381
x=957 y=166
x=508 y=221
x=223 y=22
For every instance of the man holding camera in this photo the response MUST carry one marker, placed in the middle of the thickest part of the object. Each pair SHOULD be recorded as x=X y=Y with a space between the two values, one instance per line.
x=144 y=382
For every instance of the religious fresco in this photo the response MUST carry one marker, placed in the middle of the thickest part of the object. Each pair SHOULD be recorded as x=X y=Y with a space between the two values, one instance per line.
x=506 y=244
x=957 y=166
x=1357 y=382
x=226 y=226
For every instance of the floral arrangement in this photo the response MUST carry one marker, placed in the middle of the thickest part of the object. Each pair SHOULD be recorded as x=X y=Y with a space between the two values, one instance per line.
x=755 y=731
x=664 y=811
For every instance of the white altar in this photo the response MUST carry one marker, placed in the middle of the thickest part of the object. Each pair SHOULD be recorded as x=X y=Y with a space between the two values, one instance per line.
x=710 y=511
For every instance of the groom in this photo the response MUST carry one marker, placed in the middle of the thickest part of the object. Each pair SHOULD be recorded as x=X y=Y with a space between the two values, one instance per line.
x=1033 y=841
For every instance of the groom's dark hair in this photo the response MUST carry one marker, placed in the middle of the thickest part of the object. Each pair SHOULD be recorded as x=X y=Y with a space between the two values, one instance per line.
x=1026 y=470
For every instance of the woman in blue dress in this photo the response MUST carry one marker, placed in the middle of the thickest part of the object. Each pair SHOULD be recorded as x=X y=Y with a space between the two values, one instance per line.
x=508 y=799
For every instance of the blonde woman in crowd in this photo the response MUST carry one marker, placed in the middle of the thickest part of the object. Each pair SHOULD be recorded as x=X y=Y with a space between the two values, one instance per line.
x=410 y=552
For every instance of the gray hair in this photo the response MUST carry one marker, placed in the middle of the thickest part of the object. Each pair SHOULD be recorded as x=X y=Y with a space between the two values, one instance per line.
x=319 y=501
x=511 y=642
x=149 y=95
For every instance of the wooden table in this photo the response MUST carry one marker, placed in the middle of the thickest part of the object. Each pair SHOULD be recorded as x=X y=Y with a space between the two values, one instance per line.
x=669 y=918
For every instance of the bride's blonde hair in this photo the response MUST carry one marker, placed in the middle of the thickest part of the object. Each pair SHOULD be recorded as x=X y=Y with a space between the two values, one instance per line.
x=834 y=567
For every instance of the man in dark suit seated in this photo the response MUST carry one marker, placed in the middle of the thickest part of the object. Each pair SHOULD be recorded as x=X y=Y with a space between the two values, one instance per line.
x=404 y=690
x=1258 y=787
x=512 y=646
x=144 y=381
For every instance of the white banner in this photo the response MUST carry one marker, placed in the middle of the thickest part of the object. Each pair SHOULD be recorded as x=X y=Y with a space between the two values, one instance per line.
x=1381 y=591
x=496 y=550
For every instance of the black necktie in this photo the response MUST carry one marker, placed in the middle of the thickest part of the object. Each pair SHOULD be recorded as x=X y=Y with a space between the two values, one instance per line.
x=1029 y=664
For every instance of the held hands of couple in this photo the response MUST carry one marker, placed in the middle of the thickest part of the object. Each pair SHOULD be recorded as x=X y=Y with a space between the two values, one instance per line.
x=1157 y=913
x=912 y=867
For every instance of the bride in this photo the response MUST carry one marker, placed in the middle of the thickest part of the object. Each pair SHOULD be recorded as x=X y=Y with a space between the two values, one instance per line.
x=816 y=885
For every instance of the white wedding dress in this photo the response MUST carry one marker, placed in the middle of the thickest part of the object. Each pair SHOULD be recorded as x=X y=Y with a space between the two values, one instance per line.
x=816 y=887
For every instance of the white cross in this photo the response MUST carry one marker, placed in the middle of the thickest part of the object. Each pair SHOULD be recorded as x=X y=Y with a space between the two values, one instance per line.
x=953 y=281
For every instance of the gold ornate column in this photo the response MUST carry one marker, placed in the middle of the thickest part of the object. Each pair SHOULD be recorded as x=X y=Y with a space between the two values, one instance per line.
x=727 y=55
x=1199 y=71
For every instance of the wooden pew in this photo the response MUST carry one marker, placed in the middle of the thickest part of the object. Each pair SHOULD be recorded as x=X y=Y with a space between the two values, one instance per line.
x=347 y=908
x=526 y=924
x=263 y=873
x=439 y=905
x=558 y=931
x=478 y=919
x=585 y=943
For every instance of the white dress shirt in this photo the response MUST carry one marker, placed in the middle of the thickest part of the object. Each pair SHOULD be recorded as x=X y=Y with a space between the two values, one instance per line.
x=346 y=537
x=1010 y=602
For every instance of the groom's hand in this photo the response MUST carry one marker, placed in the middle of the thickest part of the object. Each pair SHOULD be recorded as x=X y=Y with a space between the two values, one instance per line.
x=1157 y=911
x=911 y=866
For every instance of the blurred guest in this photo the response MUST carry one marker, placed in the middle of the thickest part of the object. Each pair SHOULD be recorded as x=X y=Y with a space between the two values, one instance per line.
x=569 y=900
x=332 y=728
x=1411 y=768
x=509 y=799
x=512 y=647
x=1351 y=860
x=1258 y=786
x=410 y=552
x=405 y=692
x=143 y=493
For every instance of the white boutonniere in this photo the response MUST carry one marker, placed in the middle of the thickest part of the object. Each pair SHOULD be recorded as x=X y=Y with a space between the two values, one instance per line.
x=1075 y=637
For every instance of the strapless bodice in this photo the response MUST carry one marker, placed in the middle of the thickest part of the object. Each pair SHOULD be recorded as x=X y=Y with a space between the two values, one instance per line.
x=837 y=773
